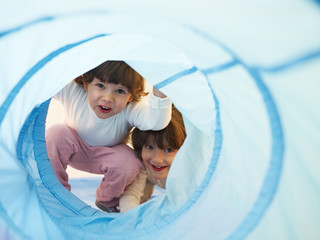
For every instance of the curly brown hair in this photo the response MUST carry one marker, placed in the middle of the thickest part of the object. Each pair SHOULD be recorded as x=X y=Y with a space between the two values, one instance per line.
x=117 y=72
x=174 y=133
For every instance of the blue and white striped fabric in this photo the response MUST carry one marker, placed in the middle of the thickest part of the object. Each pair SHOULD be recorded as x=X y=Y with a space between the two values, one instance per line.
x=244 y=74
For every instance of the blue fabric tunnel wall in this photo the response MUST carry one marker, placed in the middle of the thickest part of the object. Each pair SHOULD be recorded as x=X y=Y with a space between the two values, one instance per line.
x=245 y=76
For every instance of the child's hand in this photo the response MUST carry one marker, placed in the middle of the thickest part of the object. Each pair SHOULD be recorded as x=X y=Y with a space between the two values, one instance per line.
x=158 y=93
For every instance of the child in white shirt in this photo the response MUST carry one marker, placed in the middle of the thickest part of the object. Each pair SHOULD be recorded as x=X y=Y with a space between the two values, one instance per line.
x=101 y=107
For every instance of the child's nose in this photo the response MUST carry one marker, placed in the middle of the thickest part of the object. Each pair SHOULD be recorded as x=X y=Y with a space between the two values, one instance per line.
x=158 y=156
x=108 y=97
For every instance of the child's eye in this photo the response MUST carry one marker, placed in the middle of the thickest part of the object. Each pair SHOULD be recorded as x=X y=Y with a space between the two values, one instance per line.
x=168 y=150
x=148 y=147
x=100 y=85
x=121 y=91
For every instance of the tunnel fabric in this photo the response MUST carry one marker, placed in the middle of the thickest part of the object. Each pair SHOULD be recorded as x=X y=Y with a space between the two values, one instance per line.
x=248 y=89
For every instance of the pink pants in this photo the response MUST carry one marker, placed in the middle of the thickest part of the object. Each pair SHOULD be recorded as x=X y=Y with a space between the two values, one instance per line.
x=118 y=164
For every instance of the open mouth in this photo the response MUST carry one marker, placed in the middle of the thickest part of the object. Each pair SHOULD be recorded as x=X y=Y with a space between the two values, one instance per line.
x=158 y=168
x=104 y=109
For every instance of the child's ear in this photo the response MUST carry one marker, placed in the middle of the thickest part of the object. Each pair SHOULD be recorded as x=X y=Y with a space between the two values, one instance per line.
x=85 y=86
x=131 y=98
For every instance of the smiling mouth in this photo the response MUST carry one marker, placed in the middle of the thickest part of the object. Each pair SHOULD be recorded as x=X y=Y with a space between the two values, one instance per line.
x=104 y=109
x=158 y=169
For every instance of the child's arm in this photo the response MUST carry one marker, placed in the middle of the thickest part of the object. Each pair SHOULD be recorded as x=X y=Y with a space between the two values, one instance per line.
x=154 y=114
x=133 y=193
x=158 y=93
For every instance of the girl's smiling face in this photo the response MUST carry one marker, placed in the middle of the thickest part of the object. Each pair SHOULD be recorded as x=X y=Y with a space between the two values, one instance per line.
x=158 y=161
x=107 y=99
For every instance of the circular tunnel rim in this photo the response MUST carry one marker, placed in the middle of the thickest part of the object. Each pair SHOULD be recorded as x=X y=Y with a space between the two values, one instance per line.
x=261 y=87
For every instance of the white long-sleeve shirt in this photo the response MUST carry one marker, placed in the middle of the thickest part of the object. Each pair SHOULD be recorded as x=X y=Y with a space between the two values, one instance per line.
x=151 y=113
